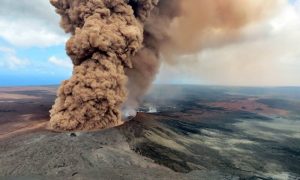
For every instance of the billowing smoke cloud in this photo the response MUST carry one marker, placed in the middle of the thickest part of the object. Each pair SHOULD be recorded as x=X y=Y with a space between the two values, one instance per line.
x=119 y=44
x=185 y=27
x=105 y=35
x=212 y=23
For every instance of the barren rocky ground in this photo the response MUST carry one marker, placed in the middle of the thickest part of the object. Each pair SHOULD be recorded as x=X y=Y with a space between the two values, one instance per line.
x=203 y=133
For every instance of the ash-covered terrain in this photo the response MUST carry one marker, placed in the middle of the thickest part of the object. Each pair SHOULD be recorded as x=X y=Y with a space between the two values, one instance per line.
x=180 y=132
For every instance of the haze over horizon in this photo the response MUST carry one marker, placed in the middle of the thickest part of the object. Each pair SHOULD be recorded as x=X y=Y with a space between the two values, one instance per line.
x=32 y=51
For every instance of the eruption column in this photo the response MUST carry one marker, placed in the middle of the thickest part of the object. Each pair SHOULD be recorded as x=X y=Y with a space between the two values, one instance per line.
x=105 y=34
x=115 y=45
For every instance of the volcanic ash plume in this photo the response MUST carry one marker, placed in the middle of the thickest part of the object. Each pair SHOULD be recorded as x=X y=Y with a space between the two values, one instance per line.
x=116 y=45
x=105 y=35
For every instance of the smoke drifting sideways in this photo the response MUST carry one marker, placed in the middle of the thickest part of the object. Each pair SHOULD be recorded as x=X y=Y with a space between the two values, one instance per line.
x=117 y=47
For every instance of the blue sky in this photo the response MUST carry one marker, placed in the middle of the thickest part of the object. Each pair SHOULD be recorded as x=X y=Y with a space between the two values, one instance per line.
x=32 y=50
x=33 y=65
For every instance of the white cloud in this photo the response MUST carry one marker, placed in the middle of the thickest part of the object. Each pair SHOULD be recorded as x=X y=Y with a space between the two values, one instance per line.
x=64 y=63
x=30 y=23
x=7 y=50
x=9 y=59
x=28 y=34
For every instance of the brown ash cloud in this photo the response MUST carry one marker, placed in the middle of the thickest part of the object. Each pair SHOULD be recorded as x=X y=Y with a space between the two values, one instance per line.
x=105 y=35
x=117 y=47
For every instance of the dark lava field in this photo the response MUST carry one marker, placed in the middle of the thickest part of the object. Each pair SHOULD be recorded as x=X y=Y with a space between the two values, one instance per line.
x=180 y=132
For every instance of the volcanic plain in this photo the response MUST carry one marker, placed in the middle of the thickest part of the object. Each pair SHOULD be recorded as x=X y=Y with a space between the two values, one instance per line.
x=180 y=132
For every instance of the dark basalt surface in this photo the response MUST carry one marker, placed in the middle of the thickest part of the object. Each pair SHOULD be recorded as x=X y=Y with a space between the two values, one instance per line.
x=186 y=138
